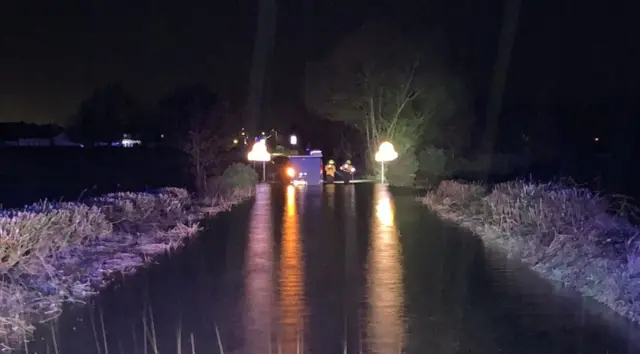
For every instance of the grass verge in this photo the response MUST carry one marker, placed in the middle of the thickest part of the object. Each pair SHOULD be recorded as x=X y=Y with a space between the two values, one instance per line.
x=52 y=253
x=573 y=236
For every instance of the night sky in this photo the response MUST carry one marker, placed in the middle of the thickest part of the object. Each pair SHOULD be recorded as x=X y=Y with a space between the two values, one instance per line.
x=577 y=59
x=53 y=54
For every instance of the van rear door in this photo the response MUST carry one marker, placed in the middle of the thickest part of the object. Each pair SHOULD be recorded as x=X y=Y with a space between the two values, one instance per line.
x=309 y=168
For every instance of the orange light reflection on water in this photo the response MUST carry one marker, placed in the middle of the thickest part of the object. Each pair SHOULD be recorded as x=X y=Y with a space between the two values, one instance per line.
x=291 y=279
x=385 y=283
x=385 y=212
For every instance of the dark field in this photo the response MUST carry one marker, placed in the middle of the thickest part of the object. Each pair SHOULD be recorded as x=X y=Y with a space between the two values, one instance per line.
x=30 y=174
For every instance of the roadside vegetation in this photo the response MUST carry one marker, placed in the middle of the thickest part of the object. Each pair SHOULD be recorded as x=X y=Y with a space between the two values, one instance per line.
x=578 y=238
x=404 y=94
x=52 y=253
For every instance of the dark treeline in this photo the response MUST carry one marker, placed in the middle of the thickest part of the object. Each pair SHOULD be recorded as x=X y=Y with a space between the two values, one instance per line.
x=185 y=128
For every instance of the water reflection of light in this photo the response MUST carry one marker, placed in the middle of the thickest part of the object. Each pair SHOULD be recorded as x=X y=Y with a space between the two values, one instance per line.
x=302 y=193
x=331 y=194
x=384 y=210
x=385 y=287
x=352 y=265
x=290 y=208
x=258 y=273
x=291 y=279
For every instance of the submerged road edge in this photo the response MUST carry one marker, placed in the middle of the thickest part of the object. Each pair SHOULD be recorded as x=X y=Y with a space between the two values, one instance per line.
x=127 y=232
x=571 y=278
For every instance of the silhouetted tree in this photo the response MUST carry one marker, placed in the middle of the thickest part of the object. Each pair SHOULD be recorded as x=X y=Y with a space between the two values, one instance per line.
x=195 y=121
x=104 y=117
x=389 y=88
x=185 y=109
x=20 y=130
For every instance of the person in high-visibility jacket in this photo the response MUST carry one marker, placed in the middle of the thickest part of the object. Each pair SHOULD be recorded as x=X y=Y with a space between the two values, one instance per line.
x=348 y=168
x=330 y=171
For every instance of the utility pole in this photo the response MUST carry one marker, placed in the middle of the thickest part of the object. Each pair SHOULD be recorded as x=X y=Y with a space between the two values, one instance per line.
x=494 y=106
x=262 y=48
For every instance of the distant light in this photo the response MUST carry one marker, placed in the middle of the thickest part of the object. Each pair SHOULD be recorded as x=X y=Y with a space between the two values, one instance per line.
x=161 y=136
x=129 y=142
x=242 y=132
x=291 y=172
x=596 y=139
x=235 y=141
x=262 y=133
x=293 y=140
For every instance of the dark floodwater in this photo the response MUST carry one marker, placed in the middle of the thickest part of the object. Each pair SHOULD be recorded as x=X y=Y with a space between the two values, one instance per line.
x=318 y=270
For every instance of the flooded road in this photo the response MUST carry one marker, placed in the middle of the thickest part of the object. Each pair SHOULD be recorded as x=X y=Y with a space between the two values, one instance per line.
x=333 y=269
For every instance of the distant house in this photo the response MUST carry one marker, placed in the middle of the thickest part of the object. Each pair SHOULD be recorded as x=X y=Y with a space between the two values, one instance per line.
x=63 y=140
x=22 y=134
x=29 y=142
x=127 y=141
x=32 y=135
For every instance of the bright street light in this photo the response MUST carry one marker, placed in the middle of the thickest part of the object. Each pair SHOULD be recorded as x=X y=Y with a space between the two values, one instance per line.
x=293 y=140
x=386 y=152
x=260 y=153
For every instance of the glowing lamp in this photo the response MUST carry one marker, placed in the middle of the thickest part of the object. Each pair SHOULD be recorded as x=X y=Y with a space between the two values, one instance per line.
x=293 y=140
x=291 y=172
x=386 y=152
x=260 y=153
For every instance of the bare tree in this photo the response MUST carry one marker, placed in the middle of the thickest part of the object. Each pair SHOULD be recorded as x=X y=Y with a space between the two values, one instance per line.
x=208 y=144
x=345 y=148
x=105 y=116
x=385 y=86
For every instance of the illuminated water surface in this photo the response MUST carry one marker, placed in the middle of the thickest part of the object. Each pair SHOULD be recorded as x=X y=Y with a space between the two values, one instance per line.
x=333 y=269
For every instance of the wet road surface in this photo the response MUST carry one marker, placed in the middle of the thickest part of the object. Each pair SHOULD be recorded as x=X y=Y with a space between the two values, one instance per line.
x=333 y=269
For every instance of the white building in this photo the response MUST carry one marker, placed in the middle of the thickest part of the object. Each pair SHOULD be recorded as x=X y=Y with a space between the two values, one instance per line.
x=59 y=140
